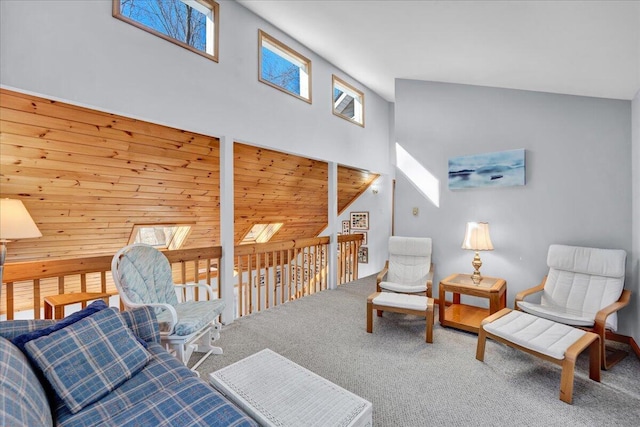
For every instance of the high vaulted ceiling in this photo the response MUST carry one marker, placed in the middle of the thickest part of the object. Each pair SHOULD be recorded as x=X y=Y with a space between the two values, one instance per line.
x=589 y=48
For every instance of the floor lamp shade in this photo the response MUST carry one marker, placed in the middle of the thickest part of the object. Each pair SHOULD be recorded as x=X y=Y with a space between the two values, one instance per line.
x=15 y=221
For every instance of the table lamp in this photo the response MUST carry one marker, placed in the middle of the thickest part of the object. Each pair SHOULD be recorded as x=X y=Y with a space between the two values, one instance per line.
x=476 y=238
x=15 y=223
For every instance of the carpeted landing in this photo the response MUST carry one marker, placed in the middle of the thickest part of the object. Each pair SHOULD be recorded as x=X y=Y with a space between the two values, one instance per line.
x=412 y=383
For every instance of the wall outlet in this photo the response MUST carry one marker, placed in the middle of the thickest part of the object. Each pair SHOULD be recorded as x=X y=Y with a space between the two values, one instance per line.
x=415 y=211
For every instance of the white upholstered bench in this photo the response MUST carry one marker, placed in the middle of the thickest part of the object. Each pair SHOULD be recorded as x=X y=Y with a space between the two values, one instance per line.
x=401 y=303
x=551 y=341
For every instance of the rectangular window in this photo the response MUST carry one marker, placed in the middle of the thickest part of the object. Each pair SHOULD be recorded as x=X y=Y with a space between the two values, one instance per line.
x=283 y=68
x=161 y=236
x=192 y=24
x=348 y=102
x=261 y=233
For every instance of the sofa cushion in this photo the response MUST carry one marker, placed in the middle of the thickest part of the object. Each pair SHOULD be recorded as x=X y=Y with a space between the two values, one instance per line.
x=191 y=402
x=94 y=307
x=23 y=401
x=163 y=381
x=88 y=359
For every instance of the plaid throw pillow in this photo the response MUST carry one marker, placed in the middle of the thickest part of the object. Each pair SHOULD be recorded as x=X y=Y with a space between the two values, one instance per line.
x=88 y=359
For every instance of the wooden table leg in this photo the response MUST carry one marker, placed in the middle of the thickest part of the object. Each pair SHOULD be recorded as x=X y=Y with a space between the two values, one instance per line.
x=48 y=313
x=441 y=303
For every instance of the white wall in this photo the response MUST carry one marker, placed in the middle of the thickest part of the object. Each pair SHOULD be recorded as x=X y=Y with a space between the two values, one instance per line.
x=635 y=255
x=578 y=171
x=77 y=52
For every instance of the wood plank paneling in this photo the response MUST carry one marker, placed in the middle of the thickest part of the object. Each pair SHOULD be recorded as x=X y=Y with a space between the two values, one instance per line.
x=87 y=177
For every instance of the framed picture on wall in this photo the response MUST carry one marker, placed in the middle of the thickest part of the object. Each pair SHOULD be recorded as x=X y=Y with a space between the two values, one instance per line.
x=359 y=220
x=363 y=255
x=345 y=227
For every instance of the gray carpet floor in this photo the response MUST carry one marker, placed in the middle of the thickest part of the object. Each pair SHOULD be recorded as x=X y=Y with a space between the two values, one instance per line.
x=412 y=383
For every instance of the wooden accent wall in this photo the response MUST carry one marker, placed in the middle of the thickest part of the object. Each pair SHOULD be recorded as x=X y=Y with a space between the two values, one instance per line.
x=87 y=176
x=271 y=187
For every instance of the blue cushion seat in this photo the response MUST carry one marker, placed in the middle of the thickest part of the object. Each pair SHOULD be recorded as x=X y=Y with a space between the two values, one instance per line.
x=89 y=358
x=192 y=316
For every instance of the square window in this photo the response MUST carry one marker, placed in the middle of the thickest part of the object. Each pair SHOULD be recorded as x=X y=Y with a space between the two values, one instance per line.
x=348 y=102
x=283 y=68
x=192 y=24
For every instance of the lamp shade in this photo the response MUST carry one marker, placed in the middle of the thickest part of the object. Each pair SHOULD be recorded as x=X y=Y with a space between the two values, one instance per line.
x=15 y=221
x=477 y=237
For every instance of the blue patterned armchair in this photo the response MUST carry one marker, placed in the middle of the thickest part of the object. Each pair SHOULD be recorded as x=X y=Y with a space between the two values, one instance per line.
x=143 y=277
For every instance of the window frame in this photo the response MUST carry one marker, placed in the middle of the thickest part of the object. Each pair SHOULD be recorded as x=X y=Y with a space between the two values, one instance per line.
x=209 y=4
x=335 y=79
x=265 y=235
x=180 y=235
x=289 y=51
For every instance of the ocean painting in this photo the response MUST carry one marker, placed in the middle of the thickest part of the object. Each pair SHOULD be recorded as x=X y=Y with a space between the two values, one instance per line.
x=500 y=169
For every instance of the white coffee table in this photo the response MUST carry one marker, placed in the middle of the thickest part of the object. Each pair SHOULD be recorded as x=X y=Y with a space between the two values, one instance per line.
x=277 y=392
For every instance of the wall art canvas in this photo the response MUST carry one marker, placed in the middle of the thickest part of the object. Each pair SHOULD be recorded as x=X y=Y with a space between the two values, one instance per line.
x=345 y=227
x=499 y=169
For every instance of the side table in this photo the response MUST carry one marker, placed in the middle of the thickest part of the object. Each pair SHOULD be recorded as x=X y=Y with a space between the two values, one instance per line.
x=464 y=316
x=54 y=304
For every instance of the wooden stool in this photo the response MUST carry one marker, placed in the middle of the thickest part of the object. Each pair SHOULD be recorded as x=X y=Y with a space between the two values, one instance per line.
x=401 y=303
x=56 y=303
x=555 y=342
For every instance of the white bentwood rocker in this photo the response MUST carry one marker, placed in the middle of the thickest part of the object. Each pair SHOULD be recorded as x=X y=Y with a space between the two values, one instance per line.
x=143 y=277
x=409 y=269
x=585 y=289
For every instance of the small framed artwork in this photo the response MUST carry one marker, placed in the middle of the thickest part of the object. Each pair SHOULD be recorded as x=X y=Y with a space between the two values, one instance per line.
x=359 y=220
x=345 y=227
x=363 y=255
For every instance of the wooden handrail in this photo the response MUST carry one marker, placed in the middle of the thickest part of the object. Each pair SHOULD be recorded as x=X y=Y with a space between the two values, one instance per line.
x=268 y=274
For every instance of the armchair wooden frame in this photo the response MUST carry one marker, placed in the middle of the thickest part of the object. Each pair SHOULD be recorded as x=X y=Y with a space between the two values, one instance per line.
x=599 y=328
x=383 y=273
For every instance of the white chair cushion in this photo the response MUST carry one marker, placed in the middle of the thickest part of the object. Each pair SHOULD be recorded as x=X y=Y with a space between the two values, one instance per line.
x=581 y=281
x=411 y=302
x=557 y=314
x=592 y=261
x=398 y=287
x=409 y=261
x=541 y=335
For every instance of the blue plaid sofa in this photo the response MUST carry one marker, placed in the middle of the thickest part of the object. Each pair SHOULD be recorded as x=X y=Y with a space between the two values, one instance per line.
x=157 y=389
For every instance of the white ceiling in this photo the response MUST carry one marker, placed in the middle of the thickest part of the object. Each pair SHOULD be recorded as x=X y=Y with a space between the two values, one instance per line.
x=589 y=48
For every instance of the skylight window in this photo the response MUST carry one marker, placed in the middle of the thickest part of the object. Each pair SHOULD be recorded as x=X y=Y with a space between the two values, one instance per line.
x=192 y=24
x=348 y=102
x=161 y=236
x=283 y=68
x=261 y=233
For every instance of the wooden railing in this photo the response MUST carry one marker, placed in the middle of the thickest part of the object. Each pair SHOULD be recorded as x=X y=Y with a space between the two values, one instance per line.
x=269 y=274
x=26 y=284
x=266 y=274
x=348 y=249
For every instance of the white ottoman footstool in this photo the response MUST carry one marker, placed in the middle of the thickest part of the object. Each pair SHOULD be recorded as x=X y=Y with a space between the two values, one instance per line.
x=555 y=342
x=401 y=303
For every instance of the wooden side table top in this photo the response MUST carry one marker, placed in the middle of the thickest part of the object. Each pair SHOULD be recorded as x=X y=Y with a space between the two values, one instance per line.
x=465 y=283
x=56 y=303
